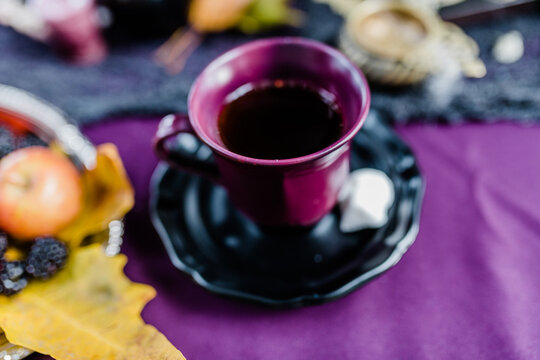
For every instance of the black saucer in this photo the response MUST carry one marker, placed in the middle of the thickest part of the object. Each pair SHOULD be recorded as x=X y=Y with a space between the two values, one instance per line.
x=224 y=252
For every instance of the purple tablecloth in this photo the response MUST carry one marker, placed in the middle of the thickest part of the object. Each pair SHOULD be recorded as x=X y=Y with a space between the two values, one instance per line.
x=469 y=288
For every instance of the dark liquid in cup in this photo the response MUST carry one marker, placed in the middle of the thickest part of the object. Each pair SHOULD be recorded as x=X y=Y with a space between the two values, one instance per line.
x=279 y=120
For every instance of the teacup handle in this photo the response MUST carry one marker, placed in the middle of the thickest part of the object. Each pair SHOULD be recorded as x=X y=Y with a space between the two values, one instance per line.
x=190 y=155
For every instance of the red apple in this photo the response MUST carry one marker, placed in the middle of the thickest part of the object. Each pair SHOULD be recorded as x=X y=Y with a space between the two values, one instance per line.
x=40 y=192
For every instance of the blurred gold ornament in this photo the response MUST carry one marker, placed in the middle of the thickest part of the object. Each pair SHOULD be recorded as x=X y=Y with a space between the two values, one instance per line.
x=400 y=43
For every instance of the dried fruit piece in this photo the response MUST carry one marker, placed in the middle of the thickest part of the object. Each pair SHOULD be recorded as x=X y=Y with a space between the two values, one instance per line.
x=12 y=277
x=46 y=257
x=7 y=143
x=3 y=243
x=89 y=310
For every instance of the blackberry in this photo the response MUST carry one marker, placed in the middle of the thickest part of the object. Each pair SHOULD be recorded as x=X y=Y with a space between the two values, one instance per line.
x=10 y=142
x=13 y=270
x=7 y=143
x=12 y=277
x=46 y=257
x=3 y=243
x=9 y=287
x=28 y=140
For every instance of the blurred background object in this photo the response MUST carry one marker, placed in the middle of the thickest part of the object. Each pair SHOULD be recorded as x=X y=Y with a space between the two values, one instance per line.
x=474 y=11
x=128 y=80
x=509 y=47
x=398 y=43
x=211 y=16
x=136 y=19
x=70 y=26
x=15 y=14
x=73 y=28
x=345 y=6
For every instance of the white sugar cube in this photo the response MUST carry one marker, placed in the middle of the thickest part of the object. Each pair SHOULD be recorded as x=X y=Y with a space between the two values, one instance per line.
x=365 y=199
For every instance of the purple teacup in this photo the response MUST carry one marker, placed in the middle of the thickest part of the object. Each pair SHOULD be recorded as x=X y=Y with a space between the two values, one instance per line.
x=285 y=192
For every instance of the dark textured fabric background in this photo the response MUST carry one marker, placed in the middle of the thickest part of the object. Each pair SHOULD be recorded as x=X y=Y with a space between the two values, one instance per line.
x=128 y=82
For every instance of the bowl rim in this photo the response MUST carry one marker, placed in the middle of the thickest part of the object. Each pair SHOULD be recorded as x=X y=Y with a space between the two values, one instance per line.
x=31 y=113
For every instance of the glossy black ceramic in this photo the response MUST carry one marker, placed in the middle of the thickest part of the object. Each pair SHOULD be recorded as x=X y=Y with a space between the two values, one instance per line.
x=226 y=253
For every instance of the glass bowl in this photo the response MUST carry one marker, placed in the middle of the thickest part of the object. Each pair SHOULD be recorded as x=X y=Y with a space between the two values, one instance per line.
x=25 y=113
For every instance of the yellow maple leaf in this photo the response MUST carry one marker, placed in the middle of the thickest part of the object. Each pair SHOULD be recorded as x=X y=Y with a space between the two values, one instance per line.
x=88 y=311
x=108 y=196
